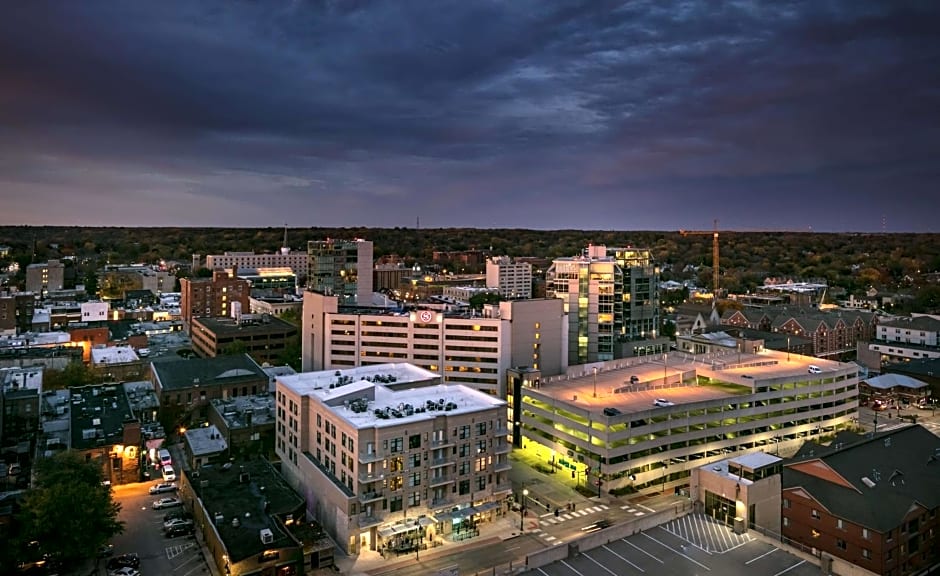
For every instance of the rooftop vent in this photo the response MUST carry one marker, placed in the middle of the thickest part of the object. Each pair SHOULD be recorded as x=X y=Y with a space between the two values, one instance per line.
x=867 y=482
x=267 y=537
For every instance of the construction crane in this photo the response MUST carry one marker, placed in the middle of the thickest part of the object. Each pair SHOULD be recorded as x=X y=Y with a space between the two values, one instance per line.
x=714 y=234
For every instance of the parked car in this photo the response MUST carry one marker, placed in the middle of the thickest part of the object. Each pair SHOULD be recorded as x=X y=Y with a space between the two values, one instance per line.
x=663 y=402
x=166 y=503
x=178 y=513
x=130 y=560
x=169 y=474
x=163 y=487
x=176 y=522
x=106 y=550
x=179 y=530
x=125 y=571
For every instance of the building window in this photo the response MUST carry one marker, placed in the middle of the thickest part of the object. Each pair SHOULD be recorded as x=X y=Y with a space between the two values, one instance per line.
x=395 y=483
x=866 y=553
x=839 y=524
x=414 y=499
x=786 y=502
x=814 y=514
x=464 y=487
x=786 y=522
x=840 y=543
x=415 y=479
x=866 y=534
x=414 y=441
x=397 y=444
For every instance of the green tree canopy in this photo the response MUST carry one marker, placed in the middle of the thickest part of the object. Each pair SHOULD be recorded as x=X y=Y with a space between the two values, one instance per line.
x=477 y=301
x=69 y=514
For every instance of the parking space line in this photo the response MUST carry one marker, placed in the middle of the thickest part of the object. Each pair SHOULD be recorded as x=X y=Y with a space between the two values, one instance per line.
x=585 y=554
x=800 y=563
x=543 y=571
x=680 y=537
x=641 y=550
x=572 y=569
x=742 y=543
x=772 y=550
x=668 y=547
x=647 y=508
x=605 y=547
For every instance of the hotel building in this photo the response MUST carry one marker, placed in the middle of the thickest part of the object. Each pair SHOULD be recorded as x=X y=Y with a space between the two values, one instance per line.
x=387 y=457
x=649 y=423
x=465 y=349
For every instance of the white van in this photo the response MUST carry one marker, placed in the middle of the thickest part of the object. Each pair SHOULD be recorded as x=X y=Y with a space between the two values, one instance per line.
x=813 y=369
x=169 y=475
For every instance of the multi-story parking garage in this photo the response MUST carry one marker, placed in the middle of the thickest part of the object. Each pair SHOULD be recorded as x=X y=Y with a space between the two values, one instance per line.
x=649 y=424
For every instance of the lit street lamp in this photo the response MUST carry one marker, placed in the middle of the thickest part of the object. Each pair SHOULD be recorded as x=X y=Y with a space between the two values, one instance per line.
x=525 y=494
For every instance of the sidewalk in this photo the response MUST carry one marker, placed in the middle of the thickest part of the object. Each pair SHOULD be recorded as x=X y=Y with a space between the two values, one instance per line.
x=371 y=563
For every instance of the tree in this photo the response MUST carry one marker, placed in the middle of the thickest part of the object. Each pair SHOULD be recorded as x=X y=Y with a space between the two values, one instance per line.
x=236 y=348
x=477 y=301
x=69 y=514
x=91 y=282
x=74 y=374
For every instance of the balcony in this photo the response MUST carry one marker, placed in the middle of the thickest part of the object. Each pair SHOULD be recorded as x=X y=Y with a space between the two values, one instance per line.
x=440 y=480
x=502 y=466
x=365 y=477
x=441 y=443
x=370 y=457
x=443 y=501
x=369 y=497
x=502 y=448
x=504 y=488
x=438 y=462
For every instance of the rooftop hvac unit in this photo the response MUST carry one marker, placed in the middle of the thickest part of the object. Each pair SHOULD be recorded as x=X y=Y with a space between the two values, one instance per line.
x=267 y=537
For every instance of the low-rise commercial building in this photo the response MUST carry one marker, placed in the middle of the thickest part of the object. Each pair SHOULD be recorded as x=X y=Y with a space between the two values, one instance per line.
x=246 y=423
x=104 y=428
x=741 y=491
x=390 y=460
x=263 y=337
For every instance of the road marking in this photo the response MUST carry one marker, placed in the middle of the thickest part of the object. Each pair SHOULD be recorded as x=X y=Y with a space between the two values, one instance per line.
x=648 y=509
x=595 y=509
x=604 y=546
x=513 y=548
x=625 y=506
x=639 y=513
x=668 y=547
x=604 y=506
x=566 y=516
x=679 y=536
x=549 y=538
x=641 y=550
x=601 y=565
x=546 y=514
x=761 y=556
x=801 y=562
x=572 y=569
x=543 y=571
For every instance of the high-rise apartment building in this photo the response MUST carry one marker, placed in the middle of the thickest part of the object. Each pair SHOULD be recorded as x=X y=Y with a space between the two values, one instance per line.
x=610 y=295
x=210 y=297
x=45 y=276
x=511 y=279
x=466 y=349
x=341 y=267
x=386 y=455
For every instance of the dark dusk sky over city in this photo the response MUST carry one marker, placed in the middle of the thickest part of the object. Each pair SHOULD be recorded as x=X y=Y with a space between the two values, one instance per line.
x=647 y=115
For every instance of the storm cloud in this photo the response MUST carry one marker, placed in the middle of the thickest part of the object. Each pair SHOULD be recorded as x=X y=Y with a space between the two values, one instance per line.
x=532 y=114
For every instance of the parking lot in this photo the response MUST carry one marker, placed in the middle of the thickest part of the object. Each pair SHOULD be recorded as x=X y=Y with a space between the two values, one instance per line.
x=143 y=534
x=662 y=552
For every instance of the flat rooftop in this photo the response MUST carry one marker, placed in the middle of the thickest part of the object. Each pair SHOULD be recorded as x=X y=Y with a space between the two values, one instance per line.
x=205 y=440
x=235 y=410
x=373 y=396
x=113 y=355
x=241 y=493
x=98 y=415
x=255 y=324
x=615 y=390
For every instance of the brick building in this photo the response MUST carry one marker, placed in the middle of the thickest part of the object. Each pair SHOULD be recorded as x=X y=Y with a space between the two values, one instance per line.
x=209 y=297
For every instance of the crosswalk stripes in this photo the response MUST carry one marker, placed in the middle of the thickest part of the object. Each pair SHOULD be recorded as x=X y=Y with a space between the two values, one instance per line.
x=544 y=535
x=629 y=508
x=571 y=515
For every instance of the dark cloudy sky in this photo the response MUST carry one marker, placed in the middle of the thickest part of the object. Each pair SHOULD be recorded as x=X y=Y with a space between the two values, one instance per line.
x=647 y=115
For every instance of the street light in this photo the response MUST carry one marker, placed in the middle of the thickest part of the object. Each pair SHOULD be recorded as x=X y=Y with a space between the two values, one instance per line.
x=525 y=494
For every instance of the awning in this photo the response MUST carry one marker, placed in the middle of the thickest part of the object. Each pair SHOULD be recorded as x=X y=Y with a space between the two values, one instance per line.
x=386 y=532
x=486 y=507
x=425 y=521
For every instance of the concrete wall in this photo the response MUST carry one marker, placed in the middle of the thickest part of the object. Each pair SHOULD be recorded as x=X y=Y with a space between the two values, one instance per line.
x=597 y=539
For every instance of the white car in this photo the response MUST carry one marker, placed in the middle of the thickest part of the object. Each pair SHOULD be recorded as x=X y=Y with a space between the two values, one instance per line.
x=177 y=522
x=169 y=474
x=163 y=487
x=125 y=571
x=663 y=402
x=166 y=503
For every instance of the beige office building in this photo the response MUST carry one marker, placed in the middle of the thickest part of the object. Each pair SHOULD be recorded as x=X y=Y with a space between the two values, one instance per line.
x=510 y=278
x=389 y=459
x=465 y=349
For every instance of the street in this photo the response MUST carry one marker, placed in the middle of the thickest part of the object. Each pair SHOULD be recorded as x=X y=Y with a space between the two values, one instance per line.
x=143 y=534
